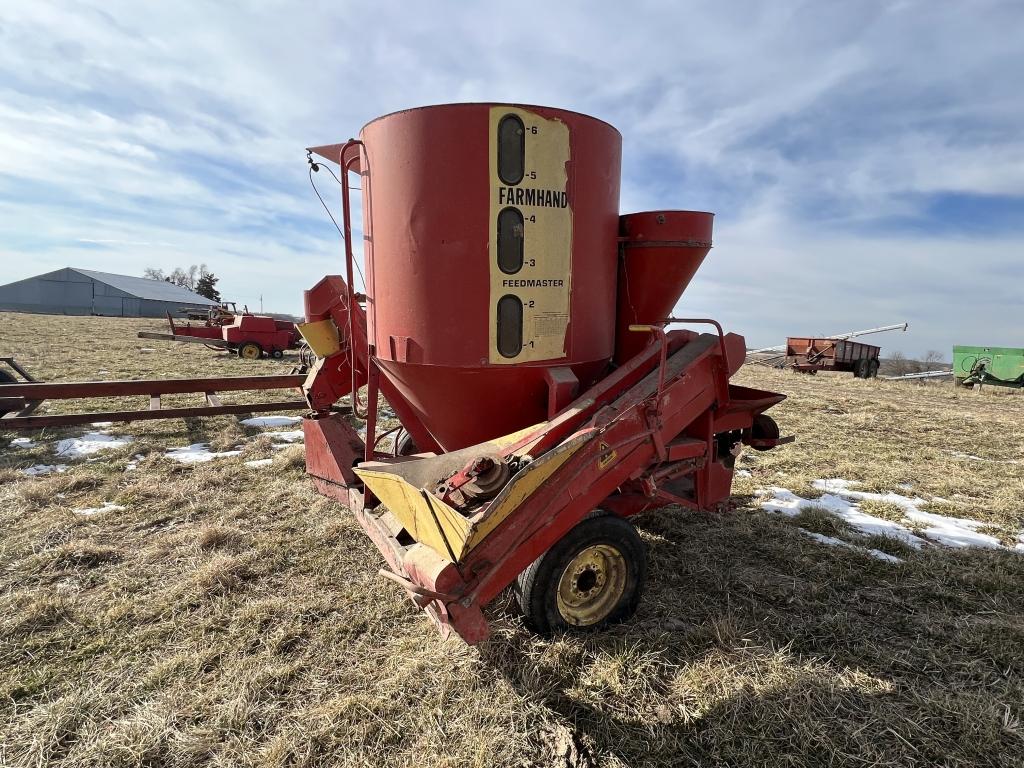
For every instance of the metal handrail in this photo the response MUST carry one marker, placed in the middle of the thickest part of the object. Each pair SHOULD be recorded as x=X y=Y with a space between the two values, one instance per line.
x=658 y=331
x=724 y=373
x=706 y=321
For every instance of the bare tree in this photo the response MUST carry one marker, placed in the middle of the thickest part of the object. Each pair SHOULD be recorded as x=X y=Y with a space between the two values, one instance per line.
x=900 y=364
x=932 y=359
x=187 y=277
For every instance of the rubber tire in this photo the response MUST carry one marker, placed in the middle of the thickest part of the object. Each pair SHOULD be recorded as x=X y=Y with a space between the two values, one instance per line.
x=537 y=586
x=764 y=426
x=406 y=445
x=247 y=345
x=277 y=354
x=873 y=368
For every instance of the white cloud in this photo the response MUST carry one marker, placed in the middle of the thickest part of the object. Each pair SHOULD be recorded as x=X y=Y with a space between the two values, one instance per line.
x=174 y=134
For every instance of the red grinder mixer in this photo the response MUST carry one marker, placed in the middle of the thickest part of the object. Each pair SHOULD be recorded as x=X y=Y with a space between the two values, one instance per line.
x=515 y=322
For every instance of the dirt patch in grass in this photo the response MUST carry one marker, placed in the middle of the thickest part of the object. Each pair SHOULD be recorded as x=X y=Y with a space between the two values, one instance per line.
x=81 y=554
x=212 y=537
x=238 y=619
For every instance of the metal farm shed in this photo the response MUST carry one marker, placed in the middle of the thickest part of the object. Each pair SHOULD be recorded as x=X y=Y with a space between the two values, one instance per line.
x=71 y=291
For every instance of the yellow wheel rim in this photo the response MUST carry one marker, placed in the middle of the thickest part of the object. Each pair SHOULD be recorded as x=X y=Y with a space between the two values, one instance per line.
x=250 y=352
x=591 y=585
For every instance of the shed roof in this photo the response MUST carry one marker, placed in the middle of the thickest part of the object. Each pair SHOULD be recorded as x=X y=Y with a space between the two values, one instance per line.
x=144 y=288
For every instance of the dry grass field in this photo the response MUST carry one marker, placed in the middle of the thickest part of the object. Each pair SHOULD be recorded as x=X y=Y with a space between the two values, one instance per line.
x=224 y=614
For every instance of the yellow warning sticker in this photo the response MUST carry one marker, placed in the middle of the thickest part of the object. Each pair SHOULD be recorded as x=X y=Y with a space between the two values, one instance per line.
x=606 y=457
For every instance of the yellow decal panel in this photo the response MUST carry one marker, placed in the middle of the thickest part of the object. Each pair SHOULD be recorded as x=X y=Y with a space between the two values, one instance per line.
x=322 y=337
x=530 y=236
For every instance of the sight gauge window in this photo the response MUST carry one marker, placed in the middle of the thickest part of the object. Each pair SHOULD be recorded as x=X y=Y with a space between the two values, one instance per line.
x=511 y=229
x=511 y=149
x=510 y=325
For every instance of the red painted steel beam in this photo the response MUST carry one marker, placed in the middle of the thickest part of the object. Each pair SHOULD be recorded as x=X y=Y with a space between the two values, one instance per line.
x=213 y=341
x=70 y=390
x=71 y=419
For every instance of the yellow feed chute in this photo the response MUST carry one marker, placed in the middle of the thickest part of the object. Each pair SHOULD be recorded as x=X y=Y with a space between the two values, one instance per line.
x=405 y=488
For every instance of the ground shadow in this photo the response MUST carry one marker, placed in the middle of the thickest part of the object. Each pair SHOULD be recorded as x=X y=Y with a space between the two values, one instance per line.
x=757 y=646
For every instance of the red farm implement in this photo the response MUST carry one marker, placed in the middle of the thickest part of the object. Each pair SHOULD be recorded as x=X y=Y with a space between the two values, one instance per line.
x=535 y=420
x=250 y=336
x=810 y=355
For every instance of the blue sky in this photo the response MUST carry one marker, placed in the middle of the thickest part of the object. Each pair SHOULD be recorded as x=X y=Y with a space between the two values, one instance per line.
x=865 y=160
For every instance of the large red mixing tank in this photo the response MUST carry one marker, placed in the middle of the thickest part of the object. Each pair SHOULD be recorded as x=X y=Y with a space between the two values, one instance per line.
x=492 y=256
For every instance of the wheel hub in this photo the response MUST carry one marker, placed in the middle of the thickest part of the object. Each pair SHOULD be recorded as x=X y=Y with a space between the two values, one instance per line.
x=591 y=585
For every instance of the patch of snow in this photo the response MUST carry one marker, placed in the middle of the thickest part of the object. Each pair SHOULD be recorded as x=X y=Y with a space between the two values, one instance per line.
x=106 y=507
x=146 y=349
x=23 y=442
x=197 y=453
x=880 y=555
x=45 y=469
x=289 y=436
x=841 y=488
x=788 y=503
x=102 y=372
x=134 y=463
x=954 y=531
x=841 y=501
x=742 y=473
x=833 y=542
x=271 y=421
x=951 y=531
x=835 y=485
x=972 y=457
x=828 y=540
x=88 y=444
x=259 y=463
x=103 y=424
